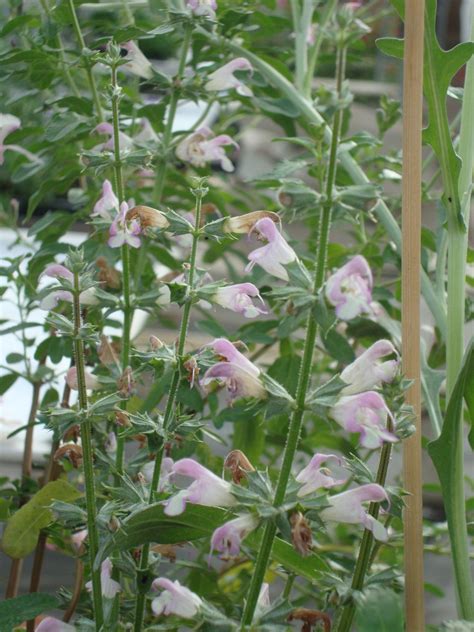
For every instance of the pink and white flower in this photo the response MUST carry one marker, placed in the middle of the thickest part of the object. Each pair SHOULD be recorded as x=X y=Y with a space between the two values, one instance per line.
x=207 y=489
x=350 y=289
x=263 y=602
x=223 y=78
x=123 y=231
x=51 y=300
x=202 y=147
x=78 y=539
x=51 y=624
x=92 y=382
x=240 y=376
x=203 y=7
x=110 y=587
x=348 y=507
x=275 y=254
x=166 y=471
x=238 y=298
x=175 y=599
x=367 y=414
x=8 y=124
x=314 y=477
x=147 y=134
x=137 y=63
x=125 y=141
x=368 y=371
x=227 y=538
x=108 y=204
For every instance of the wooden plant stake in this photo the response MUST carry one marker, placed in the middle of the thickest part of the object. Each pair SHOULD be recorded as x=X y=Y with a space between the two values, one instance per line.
x=411 y=269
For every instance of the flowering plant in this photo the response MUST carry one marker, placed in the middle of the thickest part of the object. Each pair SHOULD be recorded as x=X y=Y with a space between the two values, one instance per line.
x=212 y=344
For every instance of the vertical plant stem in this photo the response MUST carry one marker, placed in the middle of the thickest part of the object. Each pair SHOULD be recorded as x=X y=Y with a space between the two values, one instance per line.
x=168 y=131
x=88 y=458
x=364 y=559
x=314 y=54
x=170 y=407
x=87 y=63
x=457 y=253
x=294 y=429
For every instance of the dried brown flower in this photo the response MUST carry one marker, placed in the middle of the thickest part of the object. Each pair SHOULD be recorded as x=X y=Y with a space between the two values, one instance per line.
x=301 y=534
x=238 y=464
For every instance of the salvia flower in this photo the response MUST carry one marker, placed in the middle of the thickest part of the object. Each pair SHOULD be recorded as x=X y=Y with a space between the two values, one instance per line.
x=263 y=602
x=245 y=223
x=240 y=376
x=51 y=624
x=8 y=124
x=314 y=477
x=348 y=507
x=223 y=78
x=125 y=141
x=369 y=370
x=137 y=63
x=227 y=538
x=110 y=587
x=108 y=204
x=207 y=489
x=349 y=289
x=148 y=217
x=174 y=599
x=365 y=413
x=123 y=231
x=92 y=382
x=166 y=470
x=203 y=147
x=238 y=298
x=51 y=300
x=275 y=254
x=202 y=7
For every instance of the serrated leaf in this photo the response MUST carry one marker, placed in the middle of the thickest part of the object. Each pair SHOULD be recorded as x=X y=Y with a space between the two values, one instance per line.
x=18 y=609
x=22 y=530
x=379 y=610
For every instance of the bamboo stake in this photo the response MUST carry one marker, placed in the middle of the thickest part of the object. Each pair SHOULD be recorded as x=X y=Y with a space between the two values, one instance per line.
x=411 y=293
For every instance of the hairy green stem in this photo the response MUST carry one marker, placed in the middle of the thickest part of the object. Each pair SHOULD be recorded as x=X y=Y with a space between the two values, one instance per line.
x=170 y=405
x=87 y=63
x=457 y=254
x=168 y=131
x=356 y=173
x=364 y=559
x=88 y=458
x=294 y=429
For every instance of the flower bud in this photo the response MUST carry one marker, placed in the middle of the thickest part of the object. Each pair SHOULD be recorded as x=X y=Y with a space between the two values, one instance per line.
x=122 y=419
x=149 y=217
x=238 y=464
x=155 y=343
x=245 y=223
x=71 y=451
x=301 y=534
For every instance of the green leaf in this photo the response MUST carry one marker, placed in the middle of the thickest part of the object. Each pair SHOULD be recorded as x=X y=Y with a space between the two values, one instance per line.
x=22 y=530
x=379 y=610
x=18 y=609
x=152 y=525
x=6 y=381
x=391 y=46
x=440 y=66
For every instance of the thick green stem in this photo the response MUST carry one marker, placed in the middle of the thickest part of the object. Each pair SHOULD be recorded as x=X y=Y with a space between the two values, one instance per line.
x=457 y=253
x=364 y=558
x=168 y=131
x=354 y=171
x=88 y=459
x=87 y=63
x=294 y=429
x=170 y=405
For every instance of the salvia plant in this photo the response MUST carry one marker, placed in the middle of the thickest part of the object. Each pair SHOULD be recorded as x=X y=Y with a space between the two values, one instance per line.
x=218 y=360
